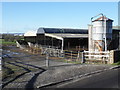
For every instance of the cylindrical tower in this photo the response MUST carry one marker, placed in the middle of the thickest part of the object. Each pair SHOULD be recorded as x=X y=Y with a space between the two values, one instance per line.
x=101 y=33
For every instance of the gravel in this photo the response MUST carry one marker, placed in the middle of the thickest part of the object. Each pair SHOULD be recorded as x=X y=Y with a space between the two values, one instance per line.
x=44 y=76
x=59 y=74
x=53 y=75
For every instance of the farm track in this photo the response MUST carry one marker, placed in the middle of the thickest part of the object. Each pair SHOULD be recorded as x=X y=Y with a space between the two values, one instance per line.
x=25 y=67
x=26 y=70
x=19 y=68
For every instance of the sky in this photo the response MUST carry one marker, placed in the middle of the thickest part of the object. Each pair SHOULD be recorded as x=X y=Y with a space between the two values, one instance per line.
x=119 y=13
x=20 y=17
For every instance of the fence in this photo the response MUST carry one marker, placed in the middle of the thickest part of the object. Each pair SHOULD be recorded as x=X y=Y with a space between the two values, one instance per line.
x=105 y=57
x=72 y=56
x=97 y=57
x=75 y=56
x=54 y=52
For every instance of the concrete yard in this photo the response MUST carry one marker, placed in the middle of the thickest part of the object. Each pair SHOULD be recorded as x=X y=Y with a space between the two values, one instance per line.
x=26 y=70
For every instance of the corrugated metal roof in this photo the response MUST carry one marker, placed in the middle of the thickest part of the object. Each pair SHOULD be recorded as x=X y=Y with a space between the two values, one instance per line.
x=102 y=18
x=62 y=30
x=56 y=30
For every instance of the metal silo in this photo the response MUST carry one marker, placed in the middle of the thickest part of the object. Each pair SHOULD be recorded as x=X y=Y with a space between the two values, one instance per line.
x=101 y=32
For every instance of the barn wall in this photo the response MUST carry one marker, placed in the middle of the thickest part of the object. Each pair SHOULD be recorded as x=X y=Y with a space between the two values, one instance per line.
x=115 y=40
x=40 y=39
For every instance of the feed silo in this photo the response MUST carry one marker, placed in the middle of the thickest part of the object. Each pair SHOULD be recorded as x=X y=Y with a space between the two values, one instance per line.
x=100 y=33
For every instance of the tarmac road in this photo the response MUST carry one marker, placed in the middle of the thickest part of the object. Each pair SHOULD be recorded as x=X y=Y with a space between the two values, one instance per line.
x=107 y=79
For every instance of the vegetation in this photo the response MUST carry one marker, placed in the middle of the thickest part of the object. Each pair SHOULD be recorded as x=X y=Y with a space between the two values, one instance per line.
x=117 y=63
x=9 y=39
x=3 y=42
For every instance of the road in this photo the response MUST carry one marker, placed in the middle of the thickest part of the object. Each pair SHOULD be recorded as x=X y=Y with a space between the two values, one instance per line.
x=107 y=79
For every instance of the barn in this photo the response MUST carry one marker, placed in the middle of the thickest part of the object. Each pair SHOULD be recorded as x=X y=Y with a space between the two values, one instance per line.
x=61 y=38
x=67 y=38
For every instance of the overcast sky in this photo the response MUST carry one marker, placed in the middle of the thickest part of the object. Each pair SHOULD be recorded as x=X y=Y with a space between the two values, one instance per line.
x=24 y=16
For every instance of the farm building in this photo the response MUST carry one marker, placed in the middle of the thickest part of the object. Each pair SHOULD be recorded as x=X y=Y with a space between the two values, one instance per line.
x=115 y=44
x=102 y=35
x=70 y=39
x=59 y=38
x=99 y=43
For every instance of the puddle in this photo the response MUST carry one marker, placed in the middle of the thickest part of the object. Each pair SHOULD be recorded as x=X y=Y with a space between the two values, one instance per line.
x=8 y=53
x=14 y=53
x=4 y=56
x=8 y=50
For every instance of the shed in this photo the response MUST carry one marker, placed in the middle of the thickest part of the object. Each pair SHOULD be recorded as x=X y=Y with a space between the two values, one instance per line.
x=64 y=38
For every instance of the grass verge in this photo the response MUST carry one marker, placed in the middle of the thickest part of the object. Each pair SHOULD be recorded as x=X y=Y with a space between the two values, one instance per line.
x=3 y=42
x=117 y=63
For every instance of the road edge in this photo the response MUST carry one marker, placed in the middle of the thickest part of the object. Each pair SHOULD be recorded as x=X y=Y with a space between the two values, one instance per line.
x=76 y=77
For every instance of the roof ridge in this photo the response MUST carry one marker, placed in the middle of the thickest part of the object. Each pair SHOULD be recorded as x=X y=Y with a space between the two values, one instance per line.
x=102 y=18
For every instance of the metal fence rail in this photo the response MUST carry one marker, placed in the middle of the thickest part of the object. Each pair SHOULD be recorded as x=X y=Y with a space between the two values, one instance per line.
x=75 y=56
x=52 y=51
x=66 y=54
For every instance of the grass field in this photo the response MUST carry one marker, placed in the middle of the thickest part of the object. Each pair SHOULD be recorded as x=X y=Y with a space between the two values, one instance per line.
x=3 y=42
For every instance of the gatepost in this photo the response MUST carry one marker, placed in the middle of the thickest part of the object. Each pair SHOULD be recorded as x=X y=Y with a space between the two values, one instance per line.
x=111 y=57
x=47 y=59
x=82 y=56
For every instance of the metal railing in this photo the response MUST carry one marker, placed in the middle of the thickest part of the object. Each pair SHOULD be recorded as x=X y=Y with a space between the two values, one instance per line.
x=55 y=52
x=75 y=56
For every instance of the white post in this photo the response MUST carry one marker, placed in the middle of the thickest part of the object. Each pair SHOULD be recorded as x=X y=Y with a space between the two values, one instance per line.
x=71 y=55
x=62 y=44
x=90 y=41
x=82 y=61
x=105 y=35
x=47 y=60
x=105 y=44
x=78 y=56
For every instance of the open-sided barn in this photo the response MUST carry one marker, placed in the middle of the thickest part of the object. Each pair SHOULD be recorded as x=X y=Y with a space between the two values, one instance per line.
x=59 y=37
x=70 y=39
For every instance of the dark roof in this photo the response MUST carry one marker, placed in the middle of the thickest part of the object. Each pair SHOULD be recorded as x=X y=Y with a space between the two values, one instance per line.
x=63 y=30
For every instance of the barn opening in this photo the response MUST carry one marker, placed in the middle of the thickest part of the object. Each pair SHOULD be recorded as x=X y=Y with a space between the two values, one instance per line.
x=65 y=39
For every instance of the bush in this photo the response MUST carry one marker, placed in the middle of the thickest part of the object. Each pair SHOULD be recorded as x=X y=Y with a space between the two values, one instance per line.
x=11 y=37
x=117 y=63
